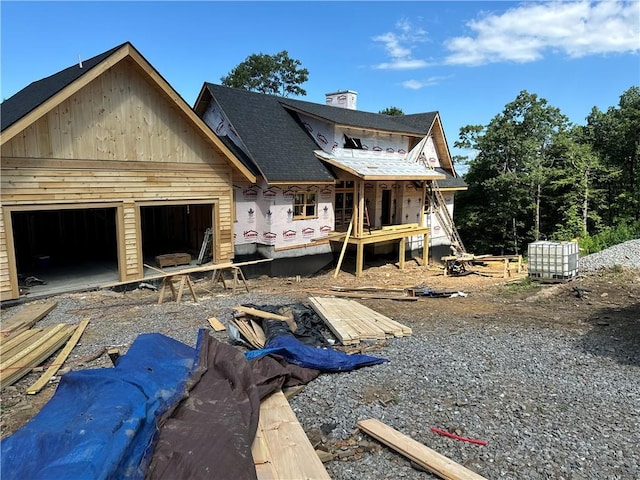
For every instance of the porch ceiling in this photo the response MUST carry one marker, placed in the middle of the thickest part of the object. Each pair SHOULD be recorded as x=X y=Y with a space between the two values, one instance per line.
x=378 y=166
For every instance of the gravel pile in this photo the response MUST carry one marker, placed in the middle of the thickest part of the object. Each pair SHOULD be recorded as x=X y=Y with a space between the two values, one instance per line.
x=625 y=254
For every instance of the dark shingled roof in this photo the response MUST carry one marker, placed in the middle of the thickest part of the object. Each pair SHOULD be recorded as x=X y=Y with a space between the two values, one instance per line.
x=275 y=140
x=357 y=118
x=36 y=93
x=450 y=181
x=281 y=147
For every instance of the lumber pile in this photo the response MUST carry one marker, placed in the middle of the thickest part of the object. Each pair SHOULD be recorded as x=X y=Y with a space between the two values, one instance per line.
x=23 y=352
x=352 y=322
x=281 y=449
x=25 y=318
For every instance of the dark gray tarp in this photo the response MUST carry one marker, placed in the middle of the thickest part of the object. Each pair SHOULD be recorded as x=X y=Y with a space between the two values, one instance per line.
x=210 y=433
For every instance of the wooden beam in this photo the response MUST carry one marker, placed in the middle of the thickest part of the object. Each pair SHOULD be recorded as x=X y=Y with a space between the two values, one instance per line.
x=59 y=360
x=424 y=456
x=281 y=446
x=203 y=268
x=344 y=249
x=20 y=368
x=26 y=318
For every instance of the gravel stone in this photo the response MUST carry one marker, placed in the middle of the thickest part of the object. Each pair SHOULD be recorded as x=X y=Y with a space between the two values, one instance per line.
x=625 y=254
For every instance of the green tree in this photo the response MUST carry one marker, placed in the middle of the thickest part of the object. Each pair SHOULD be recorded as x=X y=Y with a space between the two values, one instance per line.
x=615 y=137
x=271 y=74
x=393 y=111
x=574 y=185
x=509 y=177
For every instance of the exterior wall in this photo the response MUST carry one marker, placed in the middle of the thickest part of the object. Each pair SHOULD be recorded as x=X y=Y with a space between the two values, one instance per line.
x=264 y=216
x=117 y=141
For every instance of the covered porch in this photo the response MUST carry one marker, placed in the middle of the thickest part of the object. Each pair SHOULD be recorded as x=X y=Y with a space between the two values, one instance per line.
x=368 y=174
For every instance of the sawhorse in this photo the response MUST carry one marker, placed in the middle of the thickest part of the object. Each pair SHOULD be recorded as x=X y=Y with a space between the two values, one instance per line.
x=184 y=279
x=237 y=275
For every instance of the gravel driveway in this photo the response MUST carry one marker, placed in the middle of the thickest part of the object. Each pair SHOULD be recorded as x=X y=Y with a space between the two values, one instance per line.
x=547 y=376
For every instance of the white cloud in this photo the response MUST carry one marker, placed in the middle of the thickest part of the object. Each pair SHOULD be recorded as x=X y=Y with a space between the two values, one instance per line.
x=399 y=46
x=418 y=84
x=525 y=34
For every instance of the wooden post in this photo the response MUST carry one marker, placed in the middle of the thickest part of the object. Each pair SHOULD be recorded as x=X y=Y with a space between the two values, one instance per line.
x=402 y=246
x=344 y=248
x=360 y=229
x=425 y=249
x=359 y=259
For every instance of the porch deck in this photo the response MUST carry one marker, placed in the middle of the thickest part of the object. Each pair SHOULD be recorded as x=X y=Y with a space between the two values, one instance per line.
x=384 y=234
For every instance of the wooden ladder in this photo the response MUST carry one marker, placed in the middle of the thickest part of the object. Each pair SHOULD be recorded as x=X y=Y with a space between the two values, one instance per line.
x=445 y=218
x=207 y=246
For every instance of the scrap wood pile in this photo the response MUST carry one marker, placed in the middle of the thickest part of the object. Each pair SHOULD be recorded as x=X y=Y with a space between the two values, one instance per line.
x=23 y=348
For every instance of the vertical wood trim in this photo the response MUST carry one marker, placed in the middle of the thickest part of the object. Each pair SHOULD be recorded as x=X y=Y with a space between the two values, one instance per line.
x=360 y=229
x=215 y=229
x=9 y=265
x=423 y=202
x=122 y=252
x=139 y=253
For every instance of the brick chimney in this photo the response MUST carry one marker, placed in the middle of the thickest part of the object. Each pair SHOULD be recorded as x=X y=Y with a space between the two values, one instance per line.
x=342 y=99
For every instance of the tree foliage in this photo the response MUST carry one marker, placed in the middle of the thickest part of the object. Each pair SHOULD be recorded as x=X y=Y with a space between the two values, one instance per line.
x=392 y=111
x=510 y=174
x=537 y=176
x=271 y=74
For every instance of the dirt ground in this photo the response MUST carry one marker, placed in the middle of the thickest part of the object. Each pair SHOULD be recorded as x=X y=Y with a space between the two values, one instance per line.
x=604 y=305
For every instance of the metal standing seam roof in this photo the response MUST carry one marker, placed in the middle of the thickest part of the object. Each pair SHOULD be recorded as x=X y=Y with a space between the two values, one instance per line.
x=370 y=166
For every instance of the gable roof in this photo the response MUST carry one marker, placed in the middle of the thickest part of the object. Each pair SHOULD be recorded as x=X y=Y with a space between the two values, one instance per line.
x=275 y=140
x=278 y=143
x=358 y=118
x=38 y=98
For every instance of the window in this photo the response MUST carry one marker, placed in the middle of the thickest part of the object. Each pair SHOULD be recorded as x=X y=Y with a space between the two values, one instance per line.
x=304 y=205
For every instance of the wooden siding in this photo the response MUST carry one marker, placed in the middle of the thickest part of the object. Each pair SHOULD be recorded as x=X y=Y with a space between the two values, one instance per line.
x=118 y=139
x=118 y=116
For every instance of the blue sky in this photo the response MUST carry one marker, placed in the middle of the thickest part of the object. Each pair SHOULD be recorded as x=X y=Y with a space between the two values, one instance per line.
x=465 y=59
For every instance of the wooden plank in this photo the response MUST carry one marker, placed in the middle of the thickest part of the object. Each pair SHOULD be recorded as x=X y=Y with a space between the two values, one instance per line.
x=363 y=295
x=27 y=317
x=216 y=324
x=259 y=332
x=22 y=340
x=343 y=332
x=59 y=360
x=424 y=456
x=19 y=369
x=42 y=339
x=344 y=248
x=260 y=313
x=203 y=268
x=290 y=453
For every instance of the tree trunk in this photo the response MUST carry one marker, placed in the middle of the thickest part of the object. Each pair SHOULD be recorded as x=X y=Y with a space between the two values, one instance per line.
x=537 y=219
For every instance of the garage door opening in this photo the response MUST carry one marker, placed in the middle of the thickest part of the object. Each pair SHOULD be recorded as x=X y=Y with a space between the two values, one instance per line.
x=172 y=231
x=61 y=250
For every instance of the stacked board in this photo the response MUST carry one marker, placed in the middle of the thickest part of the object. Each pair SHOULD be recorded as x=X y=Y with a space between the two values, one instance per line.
x=281 y=448
x=352 y=322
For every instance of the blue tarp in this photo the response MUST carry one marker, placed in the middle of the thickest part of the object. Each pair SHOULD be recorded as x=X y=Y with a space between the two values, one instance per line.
x=323 y=359
x=101 y=423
